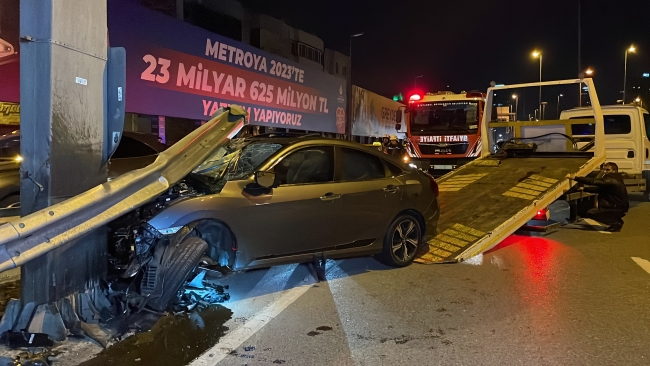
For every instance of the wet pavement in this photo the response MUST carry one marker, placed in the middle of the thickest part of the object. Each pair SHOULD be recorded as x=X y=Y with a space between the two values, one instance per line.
x=573 y=297
x=173 y=340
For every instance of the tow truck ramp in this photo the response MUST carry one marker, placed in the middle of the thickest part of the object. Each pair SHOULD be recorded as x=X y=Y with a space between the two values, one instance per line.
x=488 y=199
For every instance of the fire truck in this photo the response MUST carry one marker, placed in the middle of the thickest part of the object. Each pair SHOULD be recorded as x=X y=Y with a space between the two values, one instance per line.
x=443 y=130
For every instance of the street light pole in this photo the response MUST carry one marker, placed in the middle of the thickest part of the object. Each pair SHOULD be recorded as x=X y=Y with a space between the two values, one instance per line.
x=516 y=98
x=415 y=82
x=539 y=54
x=589 y=72
x=558 y=106
x=348 y=125
x=631 y=49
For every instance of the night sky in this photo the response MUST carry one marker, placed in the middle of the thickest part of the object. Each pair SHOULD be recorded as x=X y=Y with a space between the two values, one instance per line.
x=468 y=43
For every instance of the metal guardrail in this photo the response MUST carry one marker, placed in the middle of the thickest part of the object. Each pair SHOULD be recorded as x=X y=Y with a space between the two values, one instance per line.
x=29 y=237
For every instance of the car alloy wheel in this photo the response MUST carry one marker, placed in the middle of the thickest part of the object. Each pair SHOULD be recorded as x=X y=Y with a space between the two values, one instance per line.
x=401 y=241
x=406 y=238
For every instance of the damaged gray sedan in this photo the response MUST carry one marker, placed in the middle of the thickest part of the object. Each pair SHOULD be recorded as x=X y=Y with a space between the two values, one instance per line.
x=275 y=199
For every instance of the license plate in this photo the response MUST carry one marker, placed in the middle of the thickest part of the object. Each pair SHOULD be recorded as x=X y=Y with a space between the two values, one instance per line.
x=443 y=167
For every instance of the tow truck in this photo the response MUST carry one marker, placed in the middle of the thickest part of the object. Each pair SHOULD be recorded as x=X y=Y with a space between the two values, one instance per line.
x=443 y=130
x=491 y=197
x=627 y=141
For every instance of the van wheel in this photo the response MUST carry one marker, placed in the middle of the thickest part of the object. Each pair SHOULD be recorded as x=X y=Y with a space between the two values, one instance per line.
x=401 y=241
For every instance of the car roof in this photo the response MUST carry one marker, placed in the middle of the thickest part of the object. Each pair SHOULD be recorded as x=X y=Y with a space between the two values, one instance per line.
x=147 y=139
x=311 y=139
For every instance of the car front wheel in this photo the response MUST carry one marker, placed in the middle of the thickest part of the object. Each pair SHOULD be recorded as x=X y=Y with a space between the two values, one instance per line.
x=401 y=241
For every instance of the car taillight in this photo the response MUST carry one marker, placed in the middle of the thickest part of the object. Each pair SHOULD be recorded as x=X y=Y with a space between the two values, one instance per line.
x=543 y=214
x=433 y=184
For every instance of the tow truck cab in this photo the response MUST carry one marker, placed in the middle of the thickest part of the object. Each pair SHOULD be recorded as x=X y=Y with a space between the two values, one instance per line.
x=626 y=141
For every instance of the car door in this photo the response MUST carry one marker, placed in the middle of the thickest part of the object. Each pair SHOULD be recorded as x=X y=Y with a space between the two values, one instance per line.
x=298 y=215
x=370 y=195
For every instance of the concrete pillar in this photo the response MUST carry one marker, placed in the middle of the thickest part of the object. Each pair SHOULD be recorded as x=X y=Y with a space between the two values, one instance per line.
x=62 y=69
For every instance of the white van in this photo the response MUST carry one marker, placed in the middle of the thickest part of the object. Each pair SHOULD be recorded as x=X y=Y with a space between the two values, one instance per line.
x=627 y=141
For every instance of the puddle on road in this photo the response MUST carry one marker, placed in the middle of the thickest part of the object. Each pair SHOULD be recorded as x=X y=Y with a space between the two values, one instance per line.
x=8 y=290
x=173 y=340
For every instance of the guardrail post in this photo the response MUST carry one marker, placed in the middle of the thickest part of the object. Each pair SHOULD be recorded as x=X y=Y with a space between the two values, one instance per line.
x=63 y=52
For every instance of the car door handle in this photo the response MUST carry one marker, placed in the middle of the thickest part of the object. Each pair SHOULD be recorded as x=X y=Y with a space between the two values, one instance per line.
x=330 y=196
x=391 y=188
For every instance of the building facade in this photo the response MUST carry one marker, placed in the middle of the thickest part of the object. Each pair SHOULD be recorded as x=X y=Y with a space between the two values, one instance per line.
x=185 y=59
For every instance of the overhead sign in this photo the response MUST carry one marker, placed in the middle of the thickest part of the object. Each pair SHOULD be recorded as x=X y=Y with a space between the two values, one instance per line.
x=179 y=70
x=374 y=115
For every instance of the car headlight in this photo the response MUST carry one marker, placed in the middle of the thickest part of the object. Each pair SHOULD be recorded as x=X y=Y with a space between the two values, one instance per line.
x=406 y=159
x=170 y=230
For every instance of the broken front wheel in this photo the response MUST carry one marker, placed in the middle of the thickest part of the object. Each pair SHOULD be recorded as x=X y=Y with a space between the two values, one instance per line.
x=169 y=270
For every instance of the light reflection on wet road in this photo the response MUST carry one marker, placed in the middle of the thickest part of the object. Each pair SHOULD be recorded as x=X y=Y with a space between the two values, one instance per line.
x=571 y=298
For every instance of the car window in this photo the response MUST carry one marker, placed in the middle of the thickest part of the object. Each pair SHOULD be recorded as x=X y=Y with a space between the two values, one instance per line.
x=646 y=120
x=10 y=148
x=394 y=169
x=132 y=148
x=358 y=165
x=308 y=165
x=614 y=125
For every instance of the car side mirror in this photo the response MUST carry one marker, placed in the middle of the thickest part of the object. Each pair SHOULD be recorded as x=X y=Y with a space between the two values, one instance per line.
x=265 y=179
x=398 y=126
x=398 y=116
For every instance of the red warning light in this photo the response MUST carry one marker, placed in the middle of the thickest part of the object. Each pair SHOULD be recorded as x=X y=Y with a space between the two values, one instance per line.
x=415 y=97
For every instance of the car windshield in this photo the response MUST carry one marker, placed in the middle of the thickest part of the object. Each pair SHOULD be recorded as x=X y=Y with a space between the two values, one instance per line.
x=445 y=118
x=236 y=161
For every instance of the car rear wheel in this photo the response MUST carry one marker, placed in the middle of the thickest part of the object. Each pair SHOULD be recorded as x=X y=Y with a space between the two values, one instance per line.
x=401 y=241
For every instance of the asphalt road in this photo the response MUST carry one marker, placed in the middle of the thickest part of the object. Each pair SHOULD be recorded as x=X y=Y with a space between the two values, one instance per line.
x=574 y=297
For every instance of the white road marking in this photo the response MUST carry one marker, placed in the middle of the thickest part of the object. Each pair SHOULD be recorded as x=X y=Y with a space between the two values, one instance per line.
x=235 y=338
x=645 y=264
x=595 y=224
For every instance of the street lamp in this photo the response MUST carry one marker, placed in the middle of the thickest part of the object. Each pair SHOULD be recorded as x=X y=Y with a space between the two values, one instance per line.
x=558 y=105
x=415 y=82
x=631 y=49
x=516 y=98
x=589 y=72
x=348 y=125
x=537 y=54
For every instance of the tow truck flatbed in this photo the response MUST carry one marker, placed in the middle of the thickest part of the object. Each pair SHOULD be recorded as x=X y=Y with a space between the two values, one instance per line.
x=484 y=201
x=480 y=205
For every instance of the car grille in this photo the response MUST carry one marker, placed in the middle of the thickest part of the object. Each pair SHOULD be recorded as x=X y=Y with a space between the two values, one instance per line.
x=432 y=149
